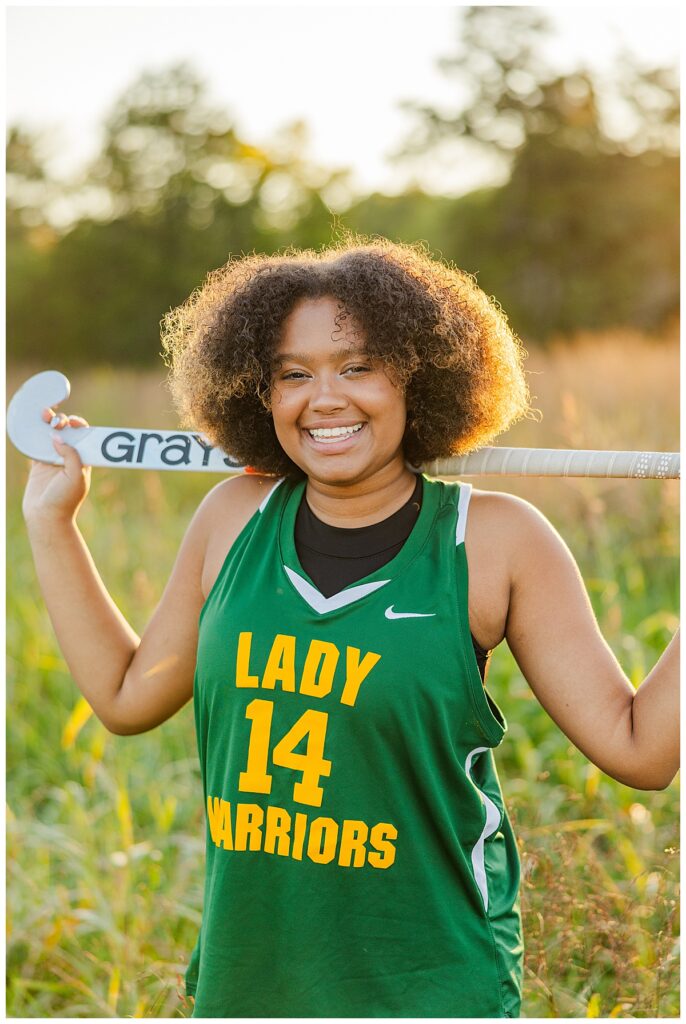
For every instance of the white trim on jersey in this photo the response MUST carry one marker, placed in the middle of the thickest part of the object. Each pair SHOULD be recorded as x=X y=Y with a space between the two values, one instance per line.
x=462 y=507
x=263 y=503
x=492 y=822
x=323 y=604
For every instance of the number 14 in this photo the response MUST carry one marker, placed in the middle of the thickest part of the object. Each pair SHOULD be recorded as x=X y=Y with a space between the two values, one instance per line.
x=312 y=764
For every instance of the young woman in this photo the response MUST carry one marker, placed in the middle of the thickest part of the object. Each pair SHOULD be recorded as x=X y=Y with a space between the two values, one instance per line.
x=360 y=860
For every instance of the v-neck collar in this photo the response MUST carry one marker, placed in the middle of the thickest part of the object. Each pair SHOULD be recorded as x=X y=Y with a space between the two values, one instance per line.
x=303 y=584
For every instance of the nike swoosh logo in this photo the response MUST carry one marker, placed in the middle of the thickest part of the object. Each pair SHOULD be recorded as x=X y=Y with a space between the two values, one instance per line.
x=390 y=614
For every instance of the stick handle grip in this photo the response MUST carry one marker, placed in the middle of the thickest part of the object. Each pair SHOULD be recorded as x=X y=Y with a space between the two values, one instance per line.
x=560 y=462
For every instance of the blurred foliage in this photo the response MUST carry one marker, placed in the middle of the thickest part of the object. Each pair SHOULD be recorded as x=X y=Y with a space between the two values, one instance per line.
x=173 y=191
x=583 y=232
x=508 y=94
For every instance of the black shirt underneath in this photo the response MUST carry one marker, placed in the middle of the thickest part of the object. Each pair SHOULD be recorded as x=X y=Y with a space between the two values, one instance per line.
x=336 y=556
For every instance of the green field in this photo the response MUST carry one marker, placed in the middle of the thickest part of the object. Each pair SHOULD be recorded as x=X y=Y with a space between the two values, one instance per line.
x=105 y=833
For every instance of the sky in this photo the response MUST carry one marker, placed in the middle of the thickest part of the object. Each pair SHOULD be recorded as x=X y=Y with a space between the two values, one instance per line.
x=341 y=69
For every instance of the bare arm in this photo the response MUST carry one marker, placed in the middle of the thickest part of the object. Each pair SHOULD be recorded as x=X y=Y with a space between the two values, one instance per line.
x=655 y=715
x=96 y=640
x=633 y=736
x=132 y=683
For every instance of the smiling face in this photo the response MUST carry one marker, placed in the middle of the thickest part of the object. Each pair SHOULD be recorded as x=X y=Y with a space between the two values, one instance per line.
x=337 y=413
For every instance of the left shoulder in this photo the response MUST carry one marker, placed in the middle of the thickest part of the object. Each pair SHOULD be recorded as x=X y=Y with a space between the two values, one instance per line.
x=506 y=514
x=523 y=536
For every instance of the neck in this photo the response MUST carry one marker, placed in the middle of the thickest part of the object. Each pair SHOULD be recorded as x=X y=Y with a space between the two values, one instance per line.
x=363 y=503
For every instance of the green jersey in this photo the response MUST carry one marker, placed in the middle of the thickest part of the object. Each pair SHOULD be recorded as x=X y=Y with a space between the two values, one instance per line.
x=360 y=860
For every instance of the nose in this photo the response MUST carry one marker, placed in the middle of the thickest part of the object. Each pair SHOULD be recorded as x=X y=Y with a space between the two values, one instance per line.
x=328 y=394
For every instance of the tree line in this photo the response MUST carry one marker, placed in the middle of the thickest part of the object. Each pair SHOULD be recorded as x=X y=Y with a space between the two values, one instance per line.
x=583 y=233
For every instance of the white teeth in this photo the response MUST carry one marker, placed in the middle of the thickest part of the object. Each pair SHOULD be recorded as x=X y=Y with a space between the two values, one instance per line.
x=334 y=432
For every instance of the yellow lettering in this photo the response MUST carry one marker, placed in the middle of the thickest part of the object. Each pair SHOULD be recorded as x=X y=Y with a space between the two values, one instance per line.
x=299 y=835
x=277 y=827
x=324 y=654
x=328 y=829
x=243 y=678
x=353 y=838
x=281 y=664
x=356 y=672
x=274 y=831
x=381 y=833
x=312 y=763
x=219 y=817
x=249 y=818
x=255 y=778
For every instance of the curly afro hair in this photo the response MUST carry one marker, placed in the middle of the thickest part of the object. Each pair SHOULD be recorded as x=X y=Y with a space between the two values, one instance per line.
x=449 y=346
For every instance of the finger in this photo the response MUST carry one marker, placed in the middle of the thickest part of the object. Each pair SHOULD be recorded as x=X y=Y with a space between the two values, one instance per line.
x=47 y=414
x=77 y=421
x=72 y=459
x=59 y=421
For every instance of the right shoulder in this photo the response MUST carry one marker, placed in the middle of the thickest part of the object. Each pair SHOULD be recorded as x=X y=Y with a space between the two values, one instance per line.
x=237 y=498
x=222 y=515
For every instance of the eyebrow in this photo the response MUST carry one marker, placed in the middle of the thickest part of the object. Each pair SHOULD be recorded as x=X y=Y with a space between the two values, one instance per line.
x=300 y=357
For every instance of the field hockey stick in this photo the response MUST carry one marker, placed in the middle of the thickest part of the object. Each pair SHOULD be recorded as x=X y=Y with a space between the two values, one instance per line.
x=133 y=448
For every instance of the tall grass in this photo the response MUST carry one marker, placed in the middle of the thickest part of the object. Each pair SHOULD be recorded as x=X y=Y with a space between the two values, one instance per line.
x=105 y=834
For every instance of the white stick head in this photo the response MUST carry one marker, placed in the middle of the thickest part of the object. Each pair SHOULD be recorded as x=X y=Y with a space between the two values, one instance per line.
x=27 y=430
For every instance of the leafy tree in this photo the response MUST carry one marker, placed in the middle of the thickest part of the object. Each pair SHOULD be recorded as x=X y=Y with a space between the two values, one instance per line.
x=583 y=232
x=169 y=152
x=507 y=94
x=28 y=184
x=575 y=241
x=174 y=191
x=30 y=238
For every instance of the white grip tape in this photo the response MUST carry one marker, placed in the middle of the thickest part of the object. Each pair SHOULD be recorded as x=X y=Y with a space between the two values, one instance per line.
x=560 y=462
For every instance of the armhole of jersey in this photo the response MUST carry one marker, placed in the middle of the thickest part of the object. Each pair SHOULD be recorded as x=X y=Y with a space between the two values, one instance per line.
x=462 y=509
x=491 y=717
x=247 y=528
x=263 y=504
